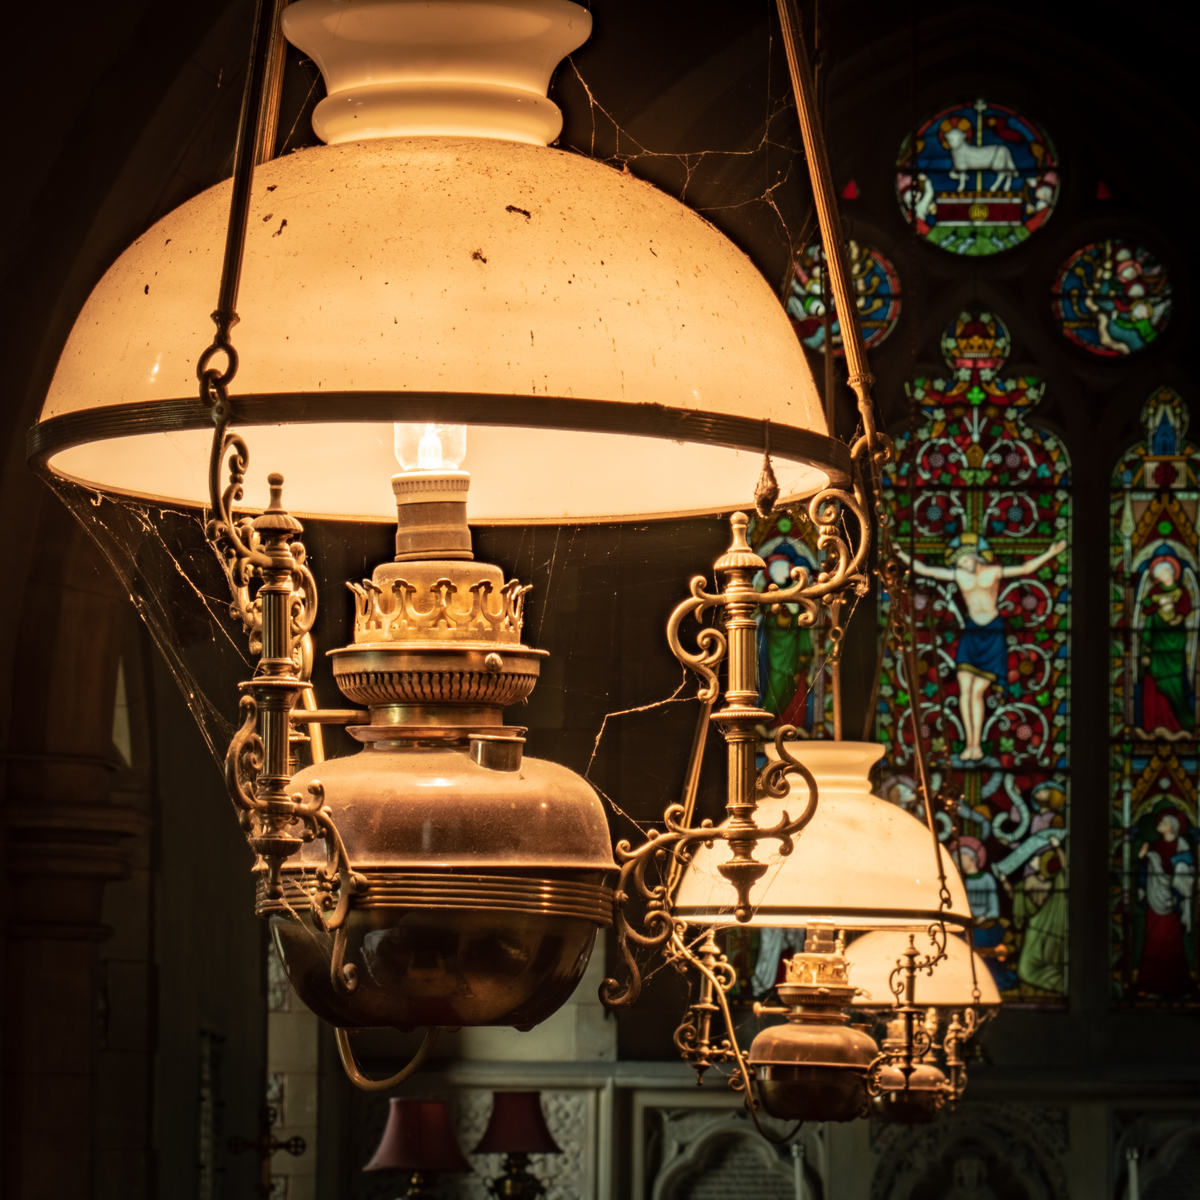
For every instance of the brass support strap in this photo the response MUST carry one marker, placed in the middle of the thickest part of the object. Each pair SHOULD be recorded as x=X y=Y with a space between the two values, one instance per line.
x=356 y=1077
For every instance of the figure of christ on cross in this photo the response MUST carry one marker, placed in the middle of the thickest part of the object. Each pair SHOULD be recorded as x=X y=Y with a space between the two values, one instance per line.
x=982 y=657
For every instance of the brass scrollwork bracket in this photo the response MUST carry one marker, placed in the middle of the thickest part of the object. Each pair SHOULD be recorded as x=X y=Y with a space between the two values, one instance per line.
x=739 y=719
x=274 y=597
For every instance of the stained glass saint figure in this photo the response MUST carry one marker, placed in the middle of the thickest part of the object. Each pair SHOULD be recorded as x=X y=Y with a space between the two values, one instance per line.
x=793 y=665
x=1155 y=557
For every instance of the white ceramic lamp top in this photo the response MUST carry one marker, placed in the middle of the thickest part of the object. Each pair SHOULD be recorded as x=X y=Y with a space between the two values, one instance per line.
x=479 y=68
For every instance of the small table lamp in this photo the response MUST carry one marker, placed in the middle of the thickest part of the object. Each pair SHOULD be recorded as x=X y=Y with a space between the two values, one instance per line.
x=517 y=1129
x=419 y=1141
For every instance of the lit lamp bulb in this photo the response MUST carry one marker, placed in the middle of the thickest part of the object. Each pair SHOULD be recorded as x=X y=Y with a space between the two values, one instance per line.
x=429 y=447
x=431 y=491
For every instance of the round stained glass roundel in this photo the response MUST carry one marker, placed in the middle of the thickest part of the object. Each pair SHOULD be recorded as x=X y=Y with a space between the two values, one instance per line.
x=877 y=296
x=1112 y=298
x=981 y=180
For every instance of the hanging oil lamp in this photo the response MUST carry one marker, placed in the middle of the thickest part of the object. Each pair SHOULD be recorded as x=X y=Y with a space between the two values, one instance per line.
x=816 y=1065
x=435 y=265
x=470 y=877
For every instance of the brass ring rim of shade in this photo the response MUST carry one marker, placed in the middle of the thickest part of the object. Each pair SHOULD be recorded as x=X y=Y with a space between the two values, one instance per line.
x=569 y=414
x=891 y=918
x=796 y=1067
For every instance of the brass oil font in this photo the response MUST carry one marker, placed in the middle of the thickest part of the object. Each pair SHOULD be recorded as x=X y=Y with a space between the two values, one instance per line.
x=815 y=1065
x=438 y=877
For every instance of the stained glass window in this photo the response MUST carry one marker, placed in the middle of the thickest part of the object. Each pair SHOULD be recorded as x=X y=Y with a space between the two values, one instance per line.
x=980 y=503
x=981 y=180
x=1112 y=297
x=1155 y=621
x=877 y=298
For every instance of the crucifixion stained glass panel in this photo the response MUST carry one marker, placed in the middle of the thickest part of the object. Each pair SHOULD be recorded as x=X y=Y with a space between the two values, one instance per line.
x=980 y=504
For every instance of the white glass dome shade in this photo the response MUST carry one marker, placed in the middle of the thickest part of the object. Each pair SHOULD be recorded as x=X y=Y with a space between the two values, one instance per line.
x=862 y=863
x=873 y=957
x=614 y=355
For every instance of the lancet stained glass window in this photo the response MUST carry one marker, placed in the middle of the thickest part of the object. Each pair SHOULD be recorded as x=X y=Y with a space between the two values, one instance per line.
x=980 y=502
x=1155 y=607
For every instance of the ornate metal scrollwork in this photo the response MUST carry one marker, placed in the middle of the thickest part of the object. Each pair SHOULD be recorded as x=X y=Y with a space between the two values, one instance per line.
x=694 y=1035
x=277 y=617
x=739 y=719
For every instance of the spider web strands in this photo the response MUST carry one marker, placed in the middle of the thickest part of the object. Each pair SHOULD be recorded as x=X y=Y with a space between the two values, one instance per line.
x=673 y=698
x=165 y=565
x=759 y=175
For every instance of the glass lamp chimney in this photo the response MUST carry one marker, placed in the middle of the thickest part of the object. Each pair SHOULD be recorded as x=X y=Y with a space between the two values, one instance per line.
x=427 y=446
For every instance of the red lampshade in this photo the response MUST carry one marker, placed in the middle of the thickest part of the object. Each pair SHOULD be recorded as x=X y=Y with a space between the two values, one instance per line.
x=419 y=1137
x=517 y=1126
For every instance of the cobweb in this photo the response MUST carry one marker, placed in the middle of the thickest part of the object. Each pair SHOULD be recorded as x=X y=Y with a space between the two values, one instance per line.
x=700 y=107
x=755 y=190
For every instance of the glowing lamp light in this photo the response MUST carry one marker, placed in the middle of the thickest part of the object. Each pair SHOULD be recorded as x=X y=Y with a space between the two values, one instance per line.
x=429 y=447
x=952 y=984
x=438 y=262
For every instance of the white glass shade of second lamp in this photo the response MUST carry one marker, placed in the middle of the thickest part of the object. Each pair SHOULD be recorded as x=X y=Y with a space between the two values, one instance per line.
x=437 y=262
x=952 y=984
x=862 y=863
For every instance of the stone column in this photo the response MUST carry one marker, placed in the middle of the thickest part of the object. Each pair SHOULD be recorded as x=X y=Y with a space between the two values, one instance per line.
x=63 y=842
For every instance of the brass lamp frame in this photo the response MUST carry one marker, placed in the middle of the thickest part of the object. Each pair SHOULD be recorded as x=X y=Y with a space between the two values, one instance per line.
x=259 y=764
x=739 y=720
x=278 y=616
x=869 y=454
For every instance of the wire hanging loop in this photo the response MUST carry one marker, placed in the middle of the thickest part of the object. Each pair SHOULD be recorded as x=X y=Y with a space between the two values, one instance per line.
x=214 y=384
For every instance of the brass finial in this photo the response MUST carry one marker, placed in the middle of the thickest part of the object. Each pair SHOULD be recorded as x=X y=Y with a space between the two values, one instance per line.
x=275 y=517
x=739 y=556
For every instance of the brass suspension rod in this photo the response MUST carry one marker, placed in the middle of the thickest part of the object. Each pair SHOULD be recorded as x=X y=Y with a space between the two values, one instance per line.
x=828 y=220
